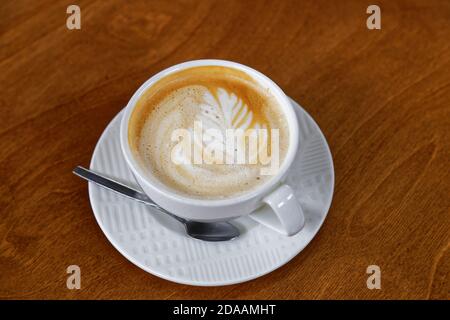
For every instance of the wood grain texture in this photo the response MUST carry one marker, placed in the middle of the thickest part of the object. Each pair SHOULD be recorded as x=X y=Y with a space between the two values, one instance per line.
x=381 y=98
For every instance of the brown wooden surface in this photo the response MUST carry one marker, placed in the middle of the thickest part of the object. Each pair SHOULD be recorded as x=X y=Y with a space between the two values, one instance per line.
x=381 y=97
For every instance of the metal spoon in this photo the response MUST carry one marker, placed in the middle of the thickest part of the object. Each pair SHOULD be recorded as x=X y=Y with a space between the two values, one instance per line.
x=207 y=231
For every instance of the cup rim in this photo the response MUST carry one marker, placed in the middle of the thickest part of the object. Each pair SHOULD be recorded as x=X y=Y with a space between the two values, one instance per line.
x=166 y=191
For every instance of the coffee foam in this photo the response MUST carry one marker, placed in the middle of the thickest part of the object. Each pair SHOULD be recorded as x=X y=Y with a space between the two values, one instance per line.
x=220 y=97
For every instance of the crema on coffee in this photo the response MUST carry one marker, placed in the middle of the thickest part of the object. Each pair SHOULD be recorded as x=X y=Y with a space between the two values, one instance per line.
x=182 y=121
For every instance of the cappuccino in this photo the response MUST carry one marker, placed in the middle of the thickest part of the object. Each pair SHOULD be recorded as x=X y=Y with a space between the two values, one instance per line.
x=209 y=132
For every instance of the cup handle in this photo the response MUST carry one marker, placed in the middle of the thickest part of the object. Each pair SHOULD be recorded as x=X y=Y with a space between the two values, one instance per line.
x=288 y=218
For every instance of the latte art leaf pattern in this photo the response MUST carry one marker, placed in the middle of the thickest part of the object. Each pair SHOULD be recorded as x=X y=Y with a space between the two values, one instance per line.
x=227 y=111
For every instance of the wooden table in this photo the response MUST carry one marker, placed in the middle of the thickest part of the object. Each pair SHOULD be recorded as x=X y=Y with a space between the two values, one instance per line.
x=381 y=97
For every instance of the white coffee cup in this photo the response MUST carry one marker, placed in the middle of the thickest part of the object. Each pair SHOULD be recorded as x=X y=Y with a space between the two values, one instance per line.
x=287 y=216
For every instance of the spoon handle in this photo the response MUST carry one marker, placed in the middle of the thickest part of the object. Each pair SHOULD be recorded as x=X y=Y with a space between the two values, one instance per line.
x=119 y=188
x=112 y=185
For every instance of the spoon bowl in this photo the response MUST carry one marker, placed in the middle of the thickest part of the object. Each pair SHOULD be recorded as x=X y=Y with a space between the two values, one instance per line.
x=217 y=231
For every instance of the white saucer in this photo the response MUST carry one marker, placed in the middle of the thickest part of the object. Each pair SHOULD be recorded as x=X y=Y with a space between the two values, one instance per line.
x=159 y=245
